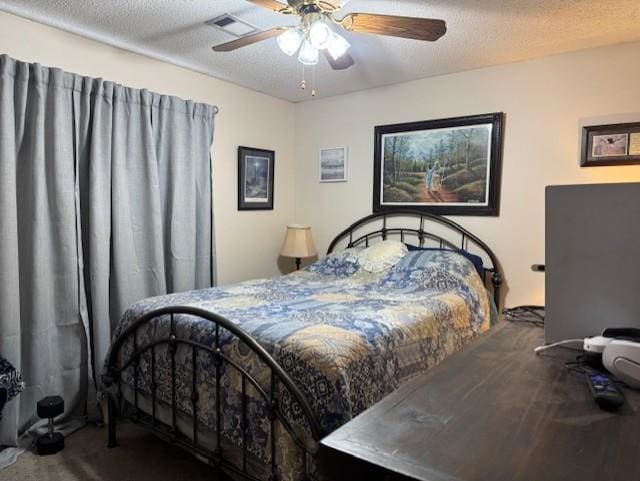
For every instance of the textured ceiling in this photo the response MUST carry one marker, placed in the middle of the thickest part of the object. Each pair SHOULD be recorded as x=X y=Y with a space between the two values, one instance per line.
x=480 y=33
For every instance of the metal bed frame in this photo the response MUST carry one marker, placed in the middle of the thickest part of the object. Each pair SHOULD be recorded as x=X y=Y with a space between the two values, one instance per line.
x=491 y=273
x=273 y=397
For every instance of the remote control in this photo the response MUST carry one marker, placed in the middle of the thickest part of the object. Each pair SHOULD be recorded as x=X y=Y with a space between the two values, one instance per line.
x=606 y=394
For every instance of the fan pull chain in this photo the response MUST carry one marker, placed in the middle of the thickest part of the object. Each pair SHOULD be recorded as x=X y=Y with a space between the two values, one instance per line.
x=303 y=82
x=313 y=81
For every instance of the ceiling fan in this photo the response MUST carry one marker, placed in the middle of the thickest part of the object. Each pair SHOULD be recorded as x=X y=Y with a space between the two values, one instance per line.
x=317 y=31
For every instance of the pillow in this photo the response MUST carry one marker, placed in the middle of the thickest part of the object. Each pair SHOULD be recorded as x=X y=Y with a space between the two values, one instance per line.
x=432 y=277
x=477 y=261
x=447 y=259
x=441 y=270
x=339 y=264
x=382 y=256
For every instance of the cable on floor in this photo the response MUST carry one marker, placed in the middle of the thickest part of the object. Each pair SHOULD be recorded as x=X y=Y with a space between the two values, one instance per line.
x=527 y=314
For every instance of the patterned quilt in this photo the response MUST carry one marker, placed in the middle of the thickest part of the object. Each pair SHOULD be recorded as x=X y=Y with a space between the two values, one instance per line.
x=346 y=336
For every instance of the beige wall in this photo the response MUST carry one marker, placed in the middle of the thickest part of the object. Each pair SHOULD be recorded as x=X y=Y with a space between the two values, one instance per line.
x=247 y=242
x=546 y=101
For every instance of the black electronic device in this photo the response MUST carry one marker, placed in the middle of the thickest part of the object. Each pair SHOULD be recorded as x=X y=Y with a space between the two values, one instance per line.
x=592 y=271
x=606 y=394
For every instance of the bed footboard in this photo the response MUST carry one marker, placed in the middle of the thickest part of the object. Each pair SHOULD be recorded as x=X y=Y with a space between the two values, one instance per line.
x=280 y=385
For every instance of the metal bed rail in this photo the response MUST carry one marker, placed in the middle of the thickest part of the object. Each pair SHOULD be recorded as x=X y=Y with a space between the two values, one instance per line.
x=353 y=236
x=115 y=366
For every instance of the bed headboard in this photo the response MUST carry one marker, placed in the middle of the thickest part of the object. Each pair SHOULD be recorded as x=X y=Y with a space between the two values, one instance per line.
x=424 y=230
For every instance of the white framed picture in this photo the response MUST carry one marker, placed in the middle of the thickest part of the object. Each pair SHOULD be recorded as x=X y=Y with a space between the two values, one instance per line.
x=333 y=164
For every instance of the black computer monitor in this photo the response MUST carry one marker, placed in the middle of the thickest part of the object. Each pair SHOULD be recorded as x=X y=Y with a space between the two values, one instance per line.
x=592 y=257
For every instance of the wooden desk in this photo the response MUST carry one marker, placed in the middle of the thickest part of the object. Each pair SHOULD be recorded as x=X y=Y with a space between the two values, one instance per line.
x=492 y=412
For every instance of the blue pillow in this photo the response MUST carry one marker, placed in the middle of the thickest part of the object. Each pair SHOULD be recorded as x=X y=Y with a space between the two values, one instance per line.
x=339 y=264
x=475 y=260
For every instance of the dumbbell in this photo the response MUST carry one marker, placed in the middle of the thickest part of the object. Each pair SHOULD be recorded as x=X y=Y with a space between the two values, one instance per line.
x=52 y=441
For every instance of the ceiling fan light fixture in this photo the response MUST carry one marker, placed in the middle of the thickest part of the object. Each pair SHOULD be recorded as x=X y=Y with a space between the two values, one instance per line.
x=320 y=34
x=308 y=55
x=290 y=41
x=337 y=46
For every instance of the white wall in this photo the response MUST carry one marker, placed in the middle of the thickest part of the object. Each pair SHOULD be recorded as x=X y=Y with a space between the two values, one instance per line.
x=546 y=102
x=247 y=242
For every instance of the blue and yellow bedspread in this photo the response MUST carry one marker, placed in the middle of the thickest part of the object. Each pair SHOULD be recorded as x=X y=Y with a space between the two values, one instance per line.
x=346 y=336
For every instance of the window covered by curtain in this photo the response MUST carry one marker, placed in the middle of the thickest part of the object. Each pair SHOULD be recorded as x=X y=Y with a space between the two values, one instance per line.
x=105 y=199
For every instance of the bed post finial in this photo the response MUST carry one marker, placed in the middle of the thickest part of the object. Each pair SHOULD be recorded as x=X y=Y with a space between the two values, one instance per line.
x=496 y=280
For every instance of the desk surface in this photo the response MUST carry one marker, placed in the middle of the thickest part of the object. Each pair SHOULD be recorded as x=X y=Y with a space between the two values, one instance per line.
x=492 y=412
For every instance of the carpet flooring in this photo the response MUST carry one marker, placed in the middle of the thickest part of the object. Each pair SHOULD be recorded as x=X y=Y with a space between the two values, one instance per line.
x=140 y=456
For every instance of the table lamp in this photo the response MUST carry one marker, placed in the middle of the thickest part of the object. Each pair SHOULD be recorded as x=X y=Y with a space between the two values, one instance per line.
x=298 y=243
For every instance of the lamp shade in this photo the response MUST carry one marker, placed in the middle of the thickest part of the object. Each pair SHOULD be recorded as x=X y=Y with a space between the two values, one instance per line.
x=298 y=242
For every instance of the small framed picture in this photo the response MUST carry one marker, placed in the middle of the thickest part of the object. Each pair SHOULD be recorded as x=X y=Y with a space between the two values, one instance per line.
x=614 y=144
x=255 y=178
x=333 y=164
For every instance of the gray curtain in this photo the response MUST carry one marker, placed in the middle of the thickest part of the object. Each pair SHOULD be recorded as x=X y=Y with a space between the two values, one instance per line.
x=105 y=199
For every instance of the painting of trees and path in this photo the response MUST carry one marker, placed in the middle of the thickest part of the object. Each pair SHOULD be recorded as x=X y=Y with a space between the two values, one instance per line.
x=449 y=166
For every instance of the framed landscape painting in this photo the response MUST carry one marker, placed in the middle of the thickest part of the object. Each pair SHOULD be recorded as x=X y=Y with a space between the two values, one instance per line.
x=447 y=166
x=255 y=178
x=613 y=144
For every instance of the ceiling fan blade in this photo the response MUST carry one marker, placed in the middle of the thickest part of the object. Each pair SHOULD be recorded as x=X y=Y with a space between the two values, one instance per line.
x=272 y=5
x=394 y=26
x=344 y=62
x=249 y=40
x=329 y=7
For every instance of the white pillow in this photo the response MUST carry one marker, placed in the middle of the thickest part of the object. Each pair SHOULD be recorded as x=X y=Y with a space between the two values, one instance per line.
x=382 y=256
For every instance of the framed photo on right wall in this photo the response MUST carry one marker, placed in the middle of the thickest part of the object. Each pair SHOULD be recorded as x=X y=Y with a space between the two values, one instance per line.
x=613 y=144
